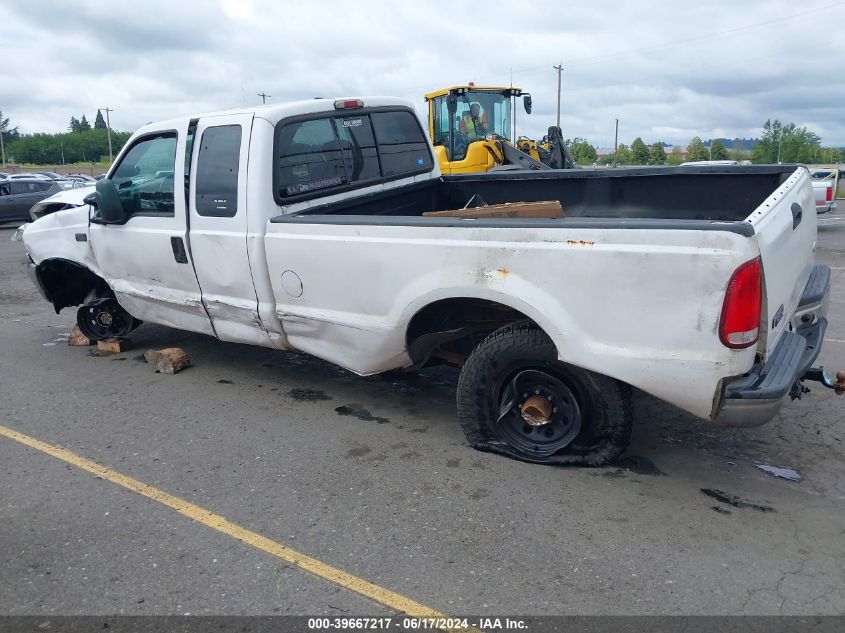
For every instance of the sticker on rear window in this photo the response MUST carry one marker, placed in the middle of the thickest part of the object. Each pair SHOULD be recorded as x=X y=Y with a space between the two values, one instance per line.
x=353 y=122
x=303 y=187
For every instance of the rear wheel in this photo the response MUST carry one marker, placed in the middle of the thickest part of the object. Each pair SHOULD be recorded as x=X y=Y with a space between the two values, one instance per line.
x=105 y=320
x=516 y=398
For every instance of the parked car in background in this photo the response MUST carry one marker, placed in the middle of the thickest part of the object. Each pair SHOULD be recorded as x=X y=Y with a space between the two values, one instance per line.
x=824 y=173
x=81 y=177
x=824 y=189
x=29 y=176
x=17 y=196
x=49 y=174
x=4 y=175
x=708 y=163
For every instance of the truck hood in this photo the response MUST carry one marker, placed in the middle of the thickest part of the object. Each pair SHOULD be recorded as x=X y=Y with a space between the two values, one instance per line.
x=59 y=202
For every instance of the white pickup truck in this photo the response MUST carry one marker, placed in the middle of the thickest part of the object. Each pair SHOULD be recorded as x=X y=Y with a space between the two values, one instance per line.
x=824 y=187
x=301 y=227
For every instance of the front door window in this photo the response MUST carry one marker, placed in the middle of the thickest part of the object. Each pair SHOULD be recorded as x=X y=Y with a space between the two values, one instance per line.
x=144 y=178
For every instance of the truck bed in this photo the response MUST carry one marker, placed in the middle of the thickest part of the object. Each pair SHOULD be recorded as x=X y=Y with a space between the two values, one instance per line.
x=710 y=194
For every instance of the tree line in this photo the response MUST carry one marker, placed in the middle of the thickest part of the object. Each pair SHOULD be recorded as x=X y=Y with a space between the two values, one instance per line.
x=82 y=143
x=780 y=143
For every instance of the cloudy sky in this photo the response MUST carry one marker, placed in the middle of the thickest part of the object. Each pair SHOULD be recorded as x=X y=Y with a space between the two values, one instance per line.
x=668 y=70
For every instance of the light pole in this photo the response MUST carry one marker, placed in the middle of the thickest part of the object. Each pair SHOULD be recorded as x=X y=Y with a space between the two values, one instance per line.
x=616 y=143
x=263 y=97
x=559 y=69
x=108 y=131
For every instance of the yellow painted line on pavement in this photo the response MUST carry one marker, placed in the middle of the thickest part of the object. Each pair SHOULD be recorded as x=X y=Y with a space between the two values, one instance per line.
x=346 y=580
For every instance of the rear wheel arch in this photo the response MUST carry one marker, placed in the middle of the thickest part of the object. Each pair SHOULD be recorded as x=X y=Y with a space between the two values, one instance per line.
x=455 y=326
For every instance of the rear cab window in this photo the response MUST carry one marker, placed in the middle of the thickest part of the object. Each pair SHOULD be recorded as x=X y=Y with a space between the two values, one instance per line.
x=328 y=153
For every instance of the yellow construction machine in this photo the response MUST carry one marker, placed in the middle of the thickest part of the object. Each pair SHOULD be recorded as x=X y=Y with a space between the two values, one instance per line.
x=472 y=129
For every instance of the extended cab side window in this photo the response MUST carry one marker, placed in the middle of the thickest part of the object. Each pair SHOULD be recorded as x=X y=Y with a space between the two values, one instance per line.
x=144 y=178
x=217 y=171
x=401 y=143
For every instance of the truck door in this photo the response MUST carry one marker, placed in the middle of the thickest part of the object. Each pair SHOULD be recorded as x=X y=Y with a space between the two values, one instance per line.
x=218 y=231
x=145 y=260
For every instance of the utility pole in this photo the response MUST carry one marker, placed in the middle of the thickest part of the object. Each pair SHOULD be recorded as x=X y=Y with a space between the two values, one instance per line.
x=2 y=147
x=559 y=69
x=263 y=97
x=616 y=144
x=108 y=131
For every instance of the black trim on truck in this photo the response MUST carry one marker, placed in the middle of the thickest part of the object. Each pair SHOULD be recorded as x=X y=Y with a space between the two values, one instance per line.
x=817 y=286
x=740 y=228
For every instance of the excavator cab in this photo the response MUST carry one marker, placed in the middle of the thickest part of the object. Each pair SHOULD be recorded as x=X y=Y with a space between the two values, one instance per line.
x=472 y=130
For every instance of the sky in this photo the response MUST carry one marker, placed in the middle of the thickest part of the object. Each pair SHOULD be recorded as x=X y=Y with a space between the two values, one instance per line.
x=667 y=70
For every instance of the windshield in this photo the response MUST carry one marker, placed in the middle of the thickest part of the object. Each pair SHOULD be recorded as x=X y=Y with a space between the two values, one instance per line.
x=478 y=113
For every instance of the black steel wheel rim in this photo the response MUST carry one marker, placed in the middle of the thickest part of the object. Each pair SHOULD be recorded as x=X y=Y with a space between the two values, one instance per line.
x=563 y=424
x=106 y=320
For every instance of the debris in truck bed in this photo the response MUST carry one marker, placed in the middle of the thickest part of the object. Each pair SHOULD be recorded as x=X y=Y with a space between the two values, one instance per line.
x=77 y=338
x=542 y=209
x=114 y=345
x=169 y=360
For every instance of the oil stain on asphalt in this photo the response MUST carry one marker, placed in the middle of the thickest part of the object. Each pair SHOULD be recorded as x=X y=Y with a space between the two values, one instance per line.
x=734 y=500
x=357 y=411
x=308 y=395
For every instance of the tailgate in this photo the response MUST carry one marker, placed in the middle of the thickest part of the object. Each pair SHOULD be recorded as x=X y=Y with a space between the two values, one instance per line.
x=785 y=230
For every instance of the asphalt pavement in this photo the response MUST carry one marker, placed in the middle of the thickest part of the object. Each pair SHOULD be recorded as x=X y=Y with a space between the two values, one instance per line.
x=371 y=476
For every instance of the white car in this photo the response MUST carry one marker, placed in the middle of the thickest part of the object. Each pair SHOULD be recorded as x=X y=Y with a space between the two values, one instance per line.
x=304 y=226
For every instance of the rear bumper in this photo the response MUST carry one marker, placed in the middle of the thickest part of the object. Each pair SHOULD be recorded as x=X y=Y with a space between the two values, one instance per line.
x=827 y=207
x=756 y=397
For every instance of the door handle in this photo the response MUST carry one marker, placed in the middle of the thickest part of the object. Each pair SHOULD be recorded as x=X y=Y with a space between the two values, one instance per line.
x=179 y=253
x=797 y=214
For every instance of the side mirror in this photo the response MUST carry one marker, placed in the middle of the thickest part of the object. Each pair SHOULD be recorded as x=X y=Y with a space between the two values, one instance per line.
x=107 y=202
x=452 y=101
x=526 y=101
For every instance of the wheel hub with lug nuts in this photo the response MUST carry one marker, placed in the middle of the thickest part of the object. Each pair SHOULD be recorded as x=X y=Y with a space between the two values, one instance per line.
x=105 y=318
x=538 y=414
x=537 y=410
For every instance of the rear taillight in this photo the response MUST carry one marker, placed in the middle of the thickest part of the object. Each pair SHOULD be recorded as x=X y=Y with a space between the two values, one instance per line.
x=828 y=196
x=740 y=322
x=348 y=104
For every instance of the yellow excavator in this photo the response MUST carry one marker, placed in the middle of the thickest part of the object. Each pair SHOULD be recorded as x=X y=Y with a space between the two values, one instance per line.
x=472 y=129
